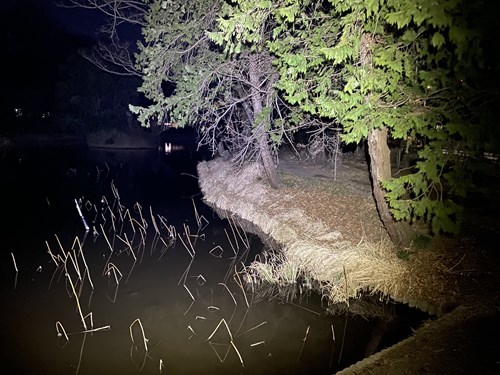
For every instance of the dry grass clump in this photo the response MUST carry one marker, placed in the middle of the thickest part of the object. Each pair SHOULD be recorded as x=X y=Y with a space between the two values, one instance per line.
x=344 y=271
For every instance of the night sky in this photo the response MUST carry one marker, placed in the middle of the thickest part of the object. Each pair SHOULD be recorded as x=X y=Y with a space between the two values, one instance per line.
x=74 y=20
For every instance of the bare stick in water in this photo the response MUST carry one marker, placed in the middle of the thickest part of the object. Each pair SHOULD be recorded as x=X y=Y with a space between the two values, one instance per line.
x=188 y=235
x=105 y=328
x=84 y=261
x=240 y=284
x=251 y=329
x=144 y=339
x=230 y=242
x=54 y=259
x=303 y=343
x=126 y=242
x=112 y=268
x=14 y=260
x=106 y=237
x=258 y=343
x=81 y=215
x=61 y=331
x=231 y=294
x=343 y=340
x=153 y=220
x=333 y=345
x=217 y=254
x=216 y=328
x=237 y=352
x=77 y=300
x=187 y=248
x=190 y=294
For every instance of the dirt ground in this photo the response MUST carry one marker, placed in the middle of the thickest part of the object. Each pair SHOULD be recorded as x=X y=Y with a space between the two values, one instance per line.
x=466 y=339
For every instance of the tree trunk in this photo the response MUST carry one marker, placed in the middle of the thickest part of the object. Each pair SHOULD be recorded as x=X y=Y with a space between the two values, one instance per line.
x=380 y=170
x=267 y=160
x=261 y=134
x=380 y=164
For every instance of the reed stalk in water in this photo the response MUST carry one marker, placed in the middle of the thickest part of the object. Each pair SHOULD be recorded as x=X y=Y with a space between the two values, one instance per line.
x=77 y=241
x=240 y=284
x=190 y=294
x=77 y=300
x=237 y=352
x=219 y=253
x=343 y=341
x=144 y=339
x=106 y=238
x=14 y=260
x=230 y=242
x=112 y=268
x=153 y=220
x=303 y=343
x=61 y=331
x=253 y=328
x=231 y=294
x=54 y=258
x=185 y=246
x=200 y=220
x=333 y=345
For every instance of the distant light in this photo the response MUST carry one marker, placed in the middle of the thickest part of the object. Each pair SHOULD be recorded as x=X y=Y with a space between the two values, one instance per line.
x=19 y=112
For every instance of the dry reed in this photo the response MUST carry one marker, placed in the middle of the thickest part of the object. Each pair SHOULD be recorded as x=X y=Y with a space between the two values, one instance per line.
x=77 y=300
x=252 y=329
x=190 y=251
x=52 y=256
x=216 y=254
x=153 y=220
x=77 y=241
x=144 y=339
x=190 y=294
x=14 y=261
x=303 y=343
x=61 y=331
x=231 y=294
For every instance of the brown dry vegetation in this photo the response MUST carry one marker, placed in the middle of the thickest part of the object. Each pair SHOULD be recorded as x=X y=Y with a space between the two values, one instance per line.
x=329 y=231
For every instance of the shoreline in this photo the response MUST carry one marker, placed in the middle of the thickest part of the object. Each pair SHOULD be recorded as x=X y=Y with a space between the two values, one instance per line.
x=435 y=281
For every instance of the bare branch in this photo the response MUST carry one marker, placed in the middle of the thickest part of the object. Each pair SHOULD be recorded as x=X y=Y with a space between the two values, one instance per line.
x=113 y=57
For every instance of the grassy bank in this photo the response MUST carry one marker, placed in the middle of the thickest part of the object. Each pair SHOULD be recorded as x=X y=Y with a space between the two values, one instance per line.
x=330 y=238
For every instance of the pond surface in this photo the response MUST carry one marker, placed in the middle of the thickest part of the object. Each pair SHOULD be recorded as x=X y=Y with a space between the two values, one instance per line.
x=152 y=287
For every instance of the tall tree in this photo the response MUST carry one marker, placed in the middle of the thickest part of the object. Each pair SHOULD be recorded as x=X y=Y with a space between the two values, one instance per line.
x=228 y=94
x=388 y=68
x=187 y=78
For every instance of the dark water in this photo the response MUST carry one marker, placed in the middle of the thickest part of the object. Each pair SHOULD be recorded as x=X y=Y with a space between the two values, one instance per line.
x=179 y=299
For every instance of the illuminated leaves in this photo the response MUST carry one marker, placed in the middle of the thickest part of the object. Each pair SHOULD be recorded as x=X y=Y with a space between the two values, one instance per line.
x=415 y=49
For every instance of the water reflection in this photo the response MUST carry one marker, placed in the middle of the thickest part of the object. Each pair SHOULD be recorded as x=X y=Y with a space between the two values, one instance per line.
x=153 y=286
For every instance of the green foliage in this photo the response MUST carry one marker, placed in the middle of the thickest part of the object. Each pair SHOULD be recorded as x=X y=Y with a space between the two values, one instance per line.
x=417 y=82
x=405 y=65
x=175 y=56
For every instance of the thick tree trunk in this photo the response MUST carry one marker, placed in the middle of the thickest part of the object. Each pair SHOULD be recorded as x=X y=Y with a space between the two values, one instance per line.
x=380 y=164
x=261 y=134
x=380 y=170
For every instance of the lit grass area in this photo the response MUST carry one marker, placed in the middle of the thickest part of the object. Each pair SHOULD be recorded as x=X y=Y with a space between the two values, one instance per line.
x=315 y=235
